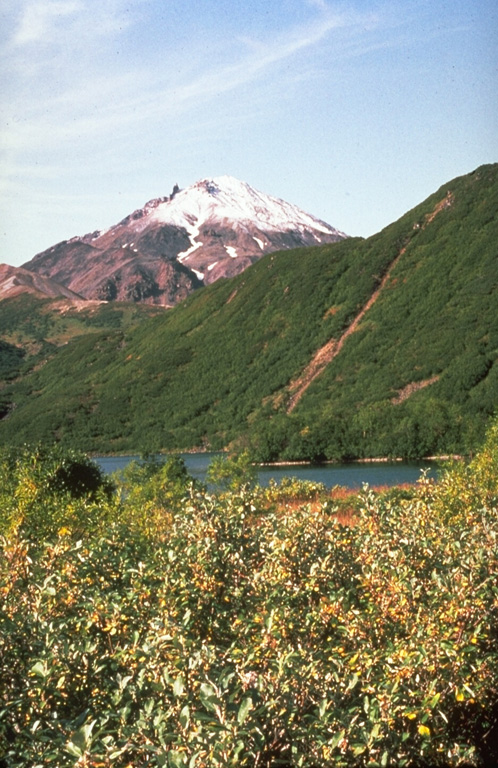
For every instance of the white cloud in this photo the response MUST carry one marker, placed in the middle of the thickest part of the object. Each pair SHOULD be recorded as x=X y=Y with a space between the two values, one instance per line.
x=39 y=20
x=47 y=23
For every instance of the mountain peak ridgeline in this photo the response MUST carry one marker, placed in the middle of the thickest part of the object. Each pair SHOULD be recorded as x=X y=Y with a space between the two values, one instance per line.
x=162 y=252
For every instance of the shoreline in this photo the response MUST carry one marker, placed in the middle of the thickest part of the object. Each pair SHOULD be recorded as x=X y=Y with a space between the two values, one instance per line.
x=292 y=463
x=375 y=460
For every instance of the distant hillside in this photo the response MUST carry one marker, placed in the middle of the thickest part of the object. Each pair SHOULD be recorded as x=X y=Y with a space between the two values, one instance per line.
x=33 y=326
x=384 y=346
x=32 y=321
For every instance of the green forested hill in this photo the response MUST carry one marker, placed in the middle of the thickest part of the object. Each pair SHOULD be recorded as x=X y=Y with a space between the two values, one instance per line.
x=414 y=374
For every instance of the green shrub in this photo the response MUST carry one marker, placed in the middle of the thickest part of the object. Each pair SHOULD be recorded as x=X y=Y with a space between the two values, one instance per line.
x=232 y=472
x=226 y=631
x=44 y=489
x=150 y=489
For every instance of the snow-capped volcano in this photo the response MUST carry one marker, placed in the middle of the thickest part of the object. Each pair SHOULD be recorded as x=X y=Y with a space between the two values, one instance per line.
x=161 y=252
x=228 y=199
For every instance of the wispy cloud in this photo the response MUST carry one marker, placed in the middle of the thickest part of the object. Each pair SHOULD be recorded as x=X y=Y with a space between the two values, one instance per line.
x=40 y=20
x=104 y=97
x=87 y=102
x=321 y=4
x=69 y=94
x=48 y=22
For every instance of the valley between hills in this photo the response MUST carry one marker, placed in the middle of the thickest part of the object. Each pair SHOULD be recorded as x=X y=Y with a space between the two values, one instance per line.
x=355 y=348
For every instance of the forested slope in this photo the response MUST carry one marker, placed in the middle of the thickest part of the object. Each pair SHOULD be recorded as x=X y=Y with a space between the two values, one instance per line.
x=416 y=309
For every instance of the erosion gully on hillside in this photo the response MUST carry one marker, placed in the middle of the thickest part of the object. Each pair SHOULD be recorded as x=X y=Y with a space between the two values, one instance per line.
x=331 y=348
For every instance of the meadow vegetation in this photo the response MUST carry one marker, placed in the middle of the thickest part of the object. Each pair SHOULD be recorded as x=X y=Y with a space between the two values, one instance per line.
x=148 y=621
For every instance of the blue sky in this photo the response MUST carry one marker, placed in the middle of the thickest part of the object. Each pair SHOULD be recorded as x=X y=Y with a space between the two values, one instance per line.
x=355 y=111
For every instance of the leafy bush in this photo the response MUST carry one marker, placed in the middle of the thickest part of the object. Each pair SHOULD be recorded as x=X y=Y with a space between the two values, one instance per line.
x=232 y=472
x=45 y=489
x=292 y=489
x=229 y=631
x=149 y=489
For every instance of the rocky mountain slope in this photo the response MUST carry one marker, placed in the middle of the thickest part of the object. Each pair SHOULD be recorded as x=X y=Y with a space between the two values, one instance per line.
x=162 y=252
x=15 y=281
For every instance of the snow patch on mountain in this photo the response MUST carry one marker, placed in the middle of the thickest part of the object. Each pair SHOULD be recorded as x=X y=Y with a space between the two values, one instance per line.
x=227 y=199
x=185 y=254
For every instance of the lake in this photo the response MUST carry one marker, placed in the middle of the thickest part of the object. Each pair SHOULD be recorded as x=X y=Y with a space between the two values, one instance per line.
x=352 y=475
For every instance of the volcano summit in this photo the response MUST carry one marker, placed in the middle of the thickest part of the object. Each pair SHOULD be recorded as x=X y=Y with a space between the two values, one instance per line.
x=162 y=252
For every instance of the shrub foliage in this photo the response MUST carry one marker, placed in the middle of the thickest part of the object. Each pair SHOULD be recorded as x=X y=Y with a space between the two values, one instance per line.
x=168 y=626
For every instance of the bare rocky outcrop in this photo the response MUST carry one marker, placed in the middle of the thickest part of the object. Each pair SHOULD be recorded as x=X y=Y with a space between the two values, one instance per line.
x=331 y=349
x=15 y=281
x=411 y=388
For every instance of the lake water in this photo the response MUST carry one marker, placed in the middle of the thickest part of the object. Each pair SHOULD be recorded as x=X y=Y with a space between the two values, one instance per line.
x=352 y=475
